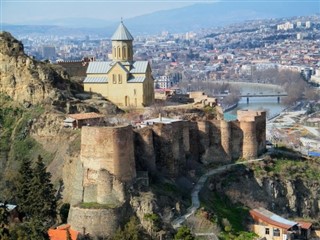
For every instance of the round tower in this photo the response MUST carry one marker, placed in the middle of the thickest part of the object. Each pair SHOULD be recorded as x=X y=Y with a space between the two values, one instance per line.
x=226 y=138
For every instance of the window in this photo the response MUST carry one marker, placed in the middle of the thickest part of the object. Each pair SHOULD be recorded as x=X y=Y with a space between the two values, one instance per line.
x=119 y=54
x=114 y=78
x=134 y=91
x=115 y=52
x=119 y=79
x=124 y=49
x=267 y=232
x=276 y=232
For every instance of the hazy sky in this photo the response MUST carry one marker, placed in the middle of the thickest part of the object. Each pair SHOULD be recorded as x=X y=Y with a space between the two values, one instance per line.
x=24 y=11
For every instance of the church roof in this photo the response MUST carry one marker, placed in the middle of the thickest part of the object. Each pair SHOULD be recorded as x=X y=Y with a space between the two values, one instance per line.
x=139 y=79
x=95 y=80
x=122 y=33
x=139 y=67
x=99 y=67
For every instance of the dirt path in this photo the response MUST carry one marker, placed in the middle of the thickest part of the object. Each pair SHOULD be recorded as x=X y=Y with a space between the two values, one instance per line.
x=176 y=223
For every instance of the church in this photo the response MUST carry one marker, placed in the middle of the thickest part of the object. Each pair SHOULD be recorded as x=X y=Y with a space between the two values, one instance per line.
x=123 y=81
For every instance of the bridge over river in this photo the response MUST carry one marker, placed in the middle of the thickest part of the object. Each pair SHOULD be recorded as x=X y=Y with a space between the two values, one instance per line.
x=255 y=95
x=261 y=94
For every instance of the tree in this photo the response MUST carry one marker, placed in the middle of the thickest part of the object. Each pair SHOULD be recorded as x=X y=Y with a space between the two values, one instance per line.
x=43 y=195
x=36 y=199
x=23 y=187
x=184 y=233
x=4 y=216
x=131 y=231
x=64 y=212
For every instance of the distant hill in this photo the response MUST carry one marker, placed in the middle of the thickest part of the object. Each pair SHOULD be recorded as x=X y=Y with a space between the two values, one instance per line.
x=178 y=20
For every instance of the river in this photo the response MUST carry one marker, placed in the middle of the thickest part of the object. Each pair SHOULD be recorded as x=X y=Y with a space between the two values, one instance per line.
x=269 y=104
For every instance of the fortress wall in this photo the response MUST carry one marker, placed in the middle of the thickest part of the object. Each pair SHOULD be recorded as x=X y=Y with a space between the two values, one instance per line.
x=144 y=150
x=186 y=137
x=97 y=148
x=102 y=148
x=178 y=148
x=163 y=146
x=226 y=139
x=77 y=68
x=170 y=145
x=261 y=131
x=215 y=136
x=236 y=140
x=104 y=187
x=249 y=146
x=194 y=139
x=203 y=134
x=123 y=153
x=96 y=222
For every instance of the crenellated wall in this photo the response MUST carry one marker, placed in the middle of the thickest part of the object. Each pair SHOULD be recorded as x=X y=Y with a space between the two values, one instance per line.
x=176 y=144
x=111 y=155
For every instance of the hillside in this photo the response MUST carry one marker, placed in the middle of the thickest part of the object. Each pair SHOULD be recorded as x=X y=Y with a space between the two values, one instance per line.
x=35 y=98
x=284 y=185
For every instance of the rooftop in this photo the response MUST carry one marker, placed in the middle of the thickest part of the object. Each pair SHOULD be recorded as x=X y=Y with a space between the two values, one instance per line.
x=82 y=116
x=273 y=219
x=122 y=34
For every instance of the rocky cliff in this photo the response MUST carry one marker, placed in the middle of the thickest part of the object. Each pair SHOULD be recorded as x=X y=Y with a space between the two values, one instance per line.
x=34 y=100
x=287 y=187
x=29 y=81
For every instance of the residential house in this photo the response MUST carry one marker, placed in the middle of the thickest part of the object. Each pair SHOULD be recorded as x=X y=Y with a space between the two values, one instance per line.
x=83 y=119
x=274 y=227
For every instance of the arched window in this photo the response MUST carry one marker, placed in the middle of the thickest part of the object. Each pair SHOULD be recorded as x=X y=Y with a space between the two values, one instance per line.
x=114 y=78
x=124 y=52
x=119 y=78
x=114 y=52
x=119 y=53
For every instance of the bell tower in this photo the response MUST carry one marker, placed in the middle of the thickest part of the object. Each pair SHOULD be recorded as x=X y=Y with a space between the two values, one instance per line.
x=122 y=44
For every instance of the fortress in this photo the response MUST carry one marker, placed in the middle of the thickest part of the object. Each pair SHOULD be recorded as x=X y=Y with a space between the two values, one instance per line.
x=110 y=157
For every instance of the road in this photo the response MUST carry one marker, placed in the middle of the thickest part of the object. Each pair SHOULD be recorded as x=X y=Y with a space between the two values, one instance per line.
x=176 y=223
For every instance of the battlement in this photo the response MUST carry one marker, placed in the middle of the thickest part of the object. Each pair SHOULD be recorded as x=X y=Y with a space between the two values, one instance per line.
x=110 y=156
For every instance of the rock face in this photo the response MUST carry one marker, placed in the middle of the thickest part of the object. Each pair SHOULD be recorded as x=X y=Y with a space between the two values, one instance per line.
x=289 y=197
x=27 y=80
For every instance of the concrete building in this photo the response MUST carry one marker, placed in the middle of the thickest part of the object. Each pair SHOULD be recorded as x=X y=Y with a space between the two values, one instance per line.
x=123 y=81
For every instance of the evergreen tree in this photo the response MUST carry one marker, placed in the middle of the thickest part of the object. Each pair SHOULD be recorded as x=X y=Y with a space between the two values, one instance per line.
x=43 y=195
x=23 y=187
x=4 y=221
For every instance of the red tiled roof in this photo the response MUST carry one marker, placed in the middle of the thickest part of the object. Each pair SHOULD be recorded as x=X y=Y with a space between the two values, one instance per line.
x=82 y=116
x=60 y=233
x=305 y=225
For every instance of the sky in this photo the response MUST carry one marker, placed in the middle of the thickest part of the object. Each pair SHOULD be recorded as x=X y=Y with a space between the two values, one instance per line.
x=27 y=11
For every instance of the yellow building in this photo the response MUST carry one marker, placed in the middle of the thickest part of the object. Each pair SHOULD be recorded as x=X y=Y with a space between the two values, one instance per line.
x=122 y=81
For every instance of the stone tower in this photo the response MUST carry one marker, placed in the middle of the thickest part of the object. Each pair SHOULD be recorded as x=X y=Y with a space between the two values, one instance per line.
x=253 y=125
x=108 y=169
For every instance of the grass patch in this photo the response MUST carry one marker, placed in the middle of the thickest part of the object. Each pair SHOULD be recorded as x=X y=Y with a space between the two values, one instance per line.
x=225 y=209
x=289 y=169
x=95 y=205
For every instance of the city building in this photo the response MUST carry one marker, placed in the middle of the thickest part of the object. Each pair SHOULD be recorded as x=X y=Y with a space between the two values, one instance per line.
x=274 y=227
x=123 y=81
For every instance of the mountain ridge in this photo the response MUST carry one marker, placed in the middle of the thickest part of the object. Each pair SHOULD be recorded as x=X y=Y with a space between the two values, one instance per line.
x=189 y=18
